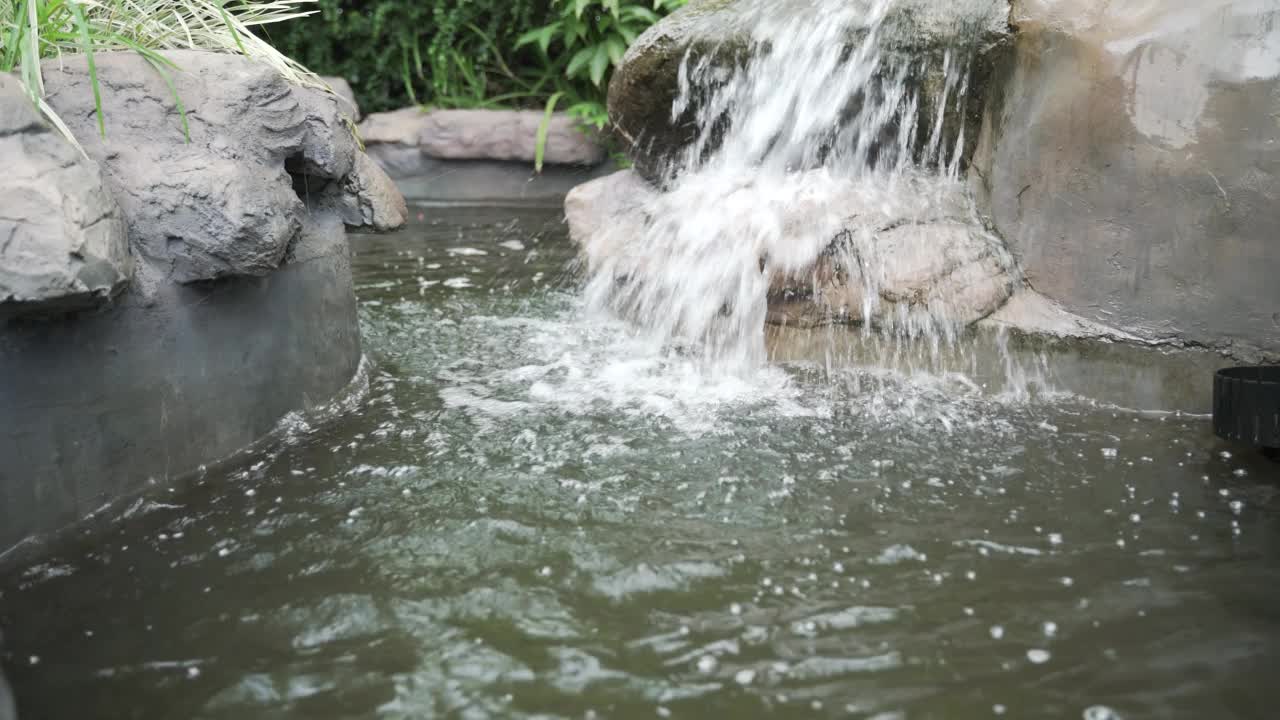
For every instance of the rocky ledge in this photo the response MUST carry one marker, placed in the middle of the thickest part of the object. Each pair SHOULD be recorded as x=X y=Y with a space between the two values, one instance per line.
x=925 y=35
x=1123 y=167
x=174 y=290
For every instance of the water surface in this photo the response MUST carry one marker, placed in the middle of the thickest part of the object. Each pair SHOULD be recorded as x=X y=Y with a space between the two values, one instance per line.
x=533 y=514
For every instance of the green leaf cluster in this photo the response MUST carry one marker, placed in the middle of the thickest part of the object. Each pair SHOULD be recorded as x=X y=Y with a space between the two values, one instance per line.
x=472 y=53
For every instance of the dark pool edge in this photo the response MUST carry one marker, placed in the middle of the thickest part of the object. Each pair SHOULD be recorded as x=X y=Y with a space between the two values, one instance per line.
x=99 y=408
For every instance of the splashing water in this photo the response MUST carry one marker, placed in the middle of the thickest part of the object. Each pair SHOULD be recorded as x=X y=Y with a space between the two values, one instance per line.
x=826 y=169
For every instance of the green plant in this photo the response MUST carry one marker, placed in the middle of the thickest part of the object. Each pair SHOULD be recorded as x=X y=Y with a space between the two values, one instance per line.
x=594 y=34
x=583 y=44
x=33 y=30
x=471 y=53
x=543 y=54
x=445 y=53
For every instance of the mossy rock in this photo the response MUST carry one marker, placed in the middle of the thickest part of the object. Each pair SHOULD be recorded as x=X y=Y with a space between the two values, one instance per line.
x=646 y=86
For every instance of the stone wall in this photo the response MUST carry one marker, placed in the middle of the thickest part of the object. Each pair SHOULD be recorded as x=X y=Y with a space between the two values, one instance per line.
x=169 y=295
x=482 y=156
x=1130 y=157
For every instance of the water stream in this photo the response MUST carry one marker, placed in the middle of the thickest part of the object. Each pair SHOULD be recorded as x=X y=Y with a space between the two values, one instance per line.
x=531 y=515
x=825 y=136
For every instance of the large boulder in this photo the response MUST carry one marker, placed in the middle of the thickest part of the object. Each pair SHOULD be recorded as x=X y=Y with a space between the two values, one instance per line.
x=230 y=198
x=714 y=38
x=1130 y=159
x=834 y=251
x=63 y=245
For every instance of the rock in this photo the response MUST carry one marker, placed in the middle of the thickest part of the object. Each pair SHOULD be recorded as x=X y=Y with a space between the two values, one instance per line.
x=222 y=203
x=342 y=89
x=937 y=270
x=399 y=161
x=397 y=127
x=719 y=33
x=507 y=135
x=367 y=197
x=64 y=245
x=611 y=202
x=908 y=278
x=1129 y=157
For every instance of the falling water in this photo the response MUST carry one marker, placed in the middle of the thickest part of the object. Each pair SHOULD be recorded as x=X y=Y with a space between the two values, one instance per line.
x=825 y=138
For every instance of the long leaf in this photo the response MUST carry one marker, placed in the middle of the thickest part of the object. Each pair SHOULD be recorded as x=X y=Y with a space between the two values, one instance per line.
x=599 y=64
x=540 y=150
x=86 y=45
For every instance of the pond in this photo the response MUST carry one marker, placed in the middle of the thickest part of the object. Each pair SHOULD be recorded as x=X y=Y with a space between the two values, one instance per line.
x=532 y=514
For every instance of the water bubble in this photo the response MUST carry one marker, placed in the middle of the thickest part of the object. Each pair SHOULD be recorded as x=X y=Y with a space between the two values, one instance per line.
x=193 y=672
x=1038 y=657
x=1055 y=538
x=663 y=712
x=33 y=660
x=1050 y=628
x=545 y=571
x=1237 y=506
x=997 y=632
x=736 y=609
x=1109 y=452
x=1101 y=712
x=707 y=664
x=999 y=709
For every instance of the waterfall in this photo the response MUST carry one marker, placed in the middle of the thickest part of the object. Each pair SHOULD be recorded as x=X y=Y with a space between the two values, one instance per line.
x=825 y=171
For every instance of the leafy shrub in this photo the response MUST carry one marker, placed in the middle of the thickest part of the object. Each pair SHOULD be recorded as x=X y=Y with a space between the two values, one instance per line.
x=471 y=53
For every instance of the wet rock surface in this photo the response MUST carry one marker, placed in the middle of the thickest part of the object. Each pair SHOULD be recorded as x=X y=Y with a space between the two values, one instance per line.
x=877 y=268
x=239 y=308
x=216 y=198
x=718 y=34
x=63 y=244
x=950 y=271
x=1129 y=158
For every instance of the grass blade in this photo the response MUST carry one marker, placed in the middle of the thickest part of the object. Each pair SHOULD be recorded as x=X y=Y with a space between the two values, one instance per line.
x=540 y=150
x=86 y=46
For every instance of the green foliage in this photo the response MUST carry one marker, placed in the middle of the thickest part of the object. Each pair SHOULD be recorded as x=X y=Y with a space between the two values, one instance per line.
x=473 y=53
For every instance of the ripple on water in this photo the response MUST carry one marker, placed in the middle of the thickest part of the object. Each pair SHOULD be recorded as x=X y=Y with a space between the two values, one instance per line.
x=557 y=519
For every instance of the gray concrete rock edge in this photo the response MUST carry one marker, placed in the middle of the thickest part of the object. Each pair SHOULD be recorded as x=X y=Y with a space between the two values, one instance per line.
x=500 y=135
x=193 y=273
